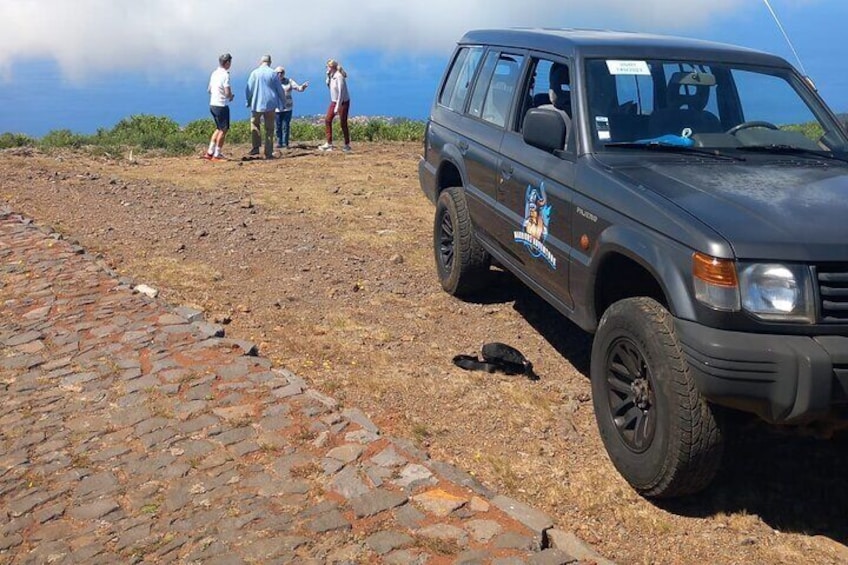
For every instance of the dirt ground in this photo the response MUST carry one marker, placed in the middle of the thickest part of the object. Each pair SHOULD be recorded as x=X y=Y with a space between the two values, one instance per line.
x=325 y=261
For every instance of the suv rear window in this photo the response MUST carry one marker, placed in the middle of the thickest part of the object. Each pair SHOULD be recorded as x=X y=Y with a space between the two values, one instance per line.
x=456 y=87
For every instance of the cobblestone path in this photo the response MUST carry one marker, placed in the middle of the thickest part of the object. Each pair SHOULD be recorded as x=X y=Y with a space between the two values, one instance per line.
x=132 y=431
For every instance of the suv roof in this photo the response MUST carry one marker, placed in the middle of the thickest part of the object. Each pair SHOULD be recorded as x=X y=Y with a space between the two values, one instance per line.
x=605 y=43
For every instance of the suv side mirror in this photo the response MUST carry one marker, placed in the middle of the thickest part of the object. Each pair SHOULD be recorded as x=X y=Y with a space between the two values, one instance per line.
x=544 y=129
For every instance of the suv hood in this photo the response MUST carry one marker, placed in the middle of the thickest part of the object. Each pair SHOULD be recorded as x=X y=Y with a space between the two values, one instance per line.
x=787 y=211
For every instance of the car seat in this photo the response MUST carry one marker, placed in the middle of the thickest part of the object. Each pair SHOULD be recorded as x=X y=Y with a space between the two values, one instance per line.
x=559 y=92
x=559 y=95
x=685 y=103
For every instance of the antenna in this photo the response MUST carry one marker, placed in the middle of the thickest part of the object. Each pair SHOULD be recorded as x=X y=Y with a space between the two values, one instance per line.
x=786 y=37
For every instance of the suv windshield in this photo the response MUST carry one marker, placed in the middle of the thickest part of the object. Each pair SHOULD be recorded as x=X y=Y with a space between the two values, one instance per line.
x=704 y=104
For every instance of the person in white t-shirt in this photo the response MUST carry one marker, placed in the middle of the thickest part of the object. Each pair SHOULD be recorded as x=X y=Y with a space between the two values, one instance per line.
x=220 y=95
x=284 y=114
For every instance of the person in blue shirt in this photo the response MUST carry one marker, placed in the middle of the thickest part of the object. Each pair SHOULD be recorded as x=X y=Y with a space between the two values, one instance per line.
x=264 y=95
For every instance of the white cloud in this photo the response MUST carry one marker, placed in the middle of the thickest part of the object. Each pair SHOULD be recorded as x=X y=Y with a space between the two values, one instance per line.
x=90 y=37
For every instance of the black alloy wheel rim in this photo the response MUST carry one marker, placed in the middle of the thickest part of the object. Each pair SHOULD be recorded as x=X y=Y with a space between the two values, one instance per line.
x=630 y=393
x=446 y=241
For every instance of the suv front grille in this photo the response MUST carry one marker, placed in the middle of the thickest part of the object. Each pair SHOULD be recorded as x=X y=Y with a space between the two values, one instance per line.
x=833 y=292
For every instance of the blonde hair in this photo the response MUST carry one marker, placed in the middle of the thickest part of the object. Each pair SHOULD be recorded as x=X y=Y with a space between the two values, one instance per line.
x=332 y=63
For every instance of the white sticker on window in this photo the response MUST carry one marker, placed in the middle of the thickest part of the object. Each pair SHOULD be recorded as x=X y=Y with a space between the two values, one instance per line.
x=602 y=125
x=628 y=68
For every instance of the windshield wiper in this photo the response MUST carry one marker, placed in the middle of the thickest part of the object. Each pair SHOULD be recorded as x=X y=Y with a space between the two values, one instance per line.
x=667 y=147
x=783 y=149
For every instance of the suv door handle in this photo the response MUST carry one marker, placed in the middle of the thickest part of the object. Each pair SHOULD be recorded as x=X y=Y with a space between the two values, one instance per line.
x=463 y=146
x=506 y=172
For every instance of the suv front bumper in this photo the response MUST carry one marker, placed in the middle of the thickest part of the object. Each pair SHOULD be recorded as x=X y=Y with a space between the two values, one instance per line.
x=781 y=378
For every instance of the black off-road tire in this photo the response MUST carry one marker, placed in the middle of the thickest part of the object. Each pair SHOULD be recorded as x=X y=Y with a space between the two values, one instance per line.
x=461 y=261
x=659 y=432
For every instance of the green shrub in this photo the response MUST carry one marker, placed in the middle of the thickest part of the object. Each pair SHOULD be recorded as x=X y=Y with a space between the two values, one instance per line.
x=63 y=138
x=239 y=132
x=812 y=130
x=163 y=135
x=146 y=132
x=9 y=140
x=305 y=130
x=199 y=131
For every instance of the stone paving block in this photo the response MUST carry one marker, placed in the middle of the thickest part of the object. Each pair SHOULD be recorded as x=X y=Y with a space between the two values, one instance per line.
x=94 y=510
x=462 y=478
x=186 y=410
x=406 y=557
x=377 y=501
x=10 y=541
x=328 y=522
x=377 y=475
x=288 y=391
x=362 y=436
x=199 y=391
x=245 y=447
x=327 y=401
x=235 y=435
x=445 y=532
x=348 y=484
x=438 y=502
x=357 y=416
x=483 y=530
x=132 y=536
x=96 y=484
x=151 y=425
x=413 y=476
x=160 y=438
x=388 y=540
x=472 y=557
x=389 y=457
x=508 y=561
x=346 y=453
x=551 y=557
x=24 y=504
x=514 y=540
x=534 y=519
x=572 y=545
x=49 y=512
x=409 y=517
x=49 y=551
x=201 y=422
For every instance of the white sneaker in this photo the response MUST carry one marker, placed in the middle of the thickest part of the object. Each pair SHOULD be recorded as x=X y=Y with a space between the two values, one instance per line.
x=346 y=149
x=326 y=147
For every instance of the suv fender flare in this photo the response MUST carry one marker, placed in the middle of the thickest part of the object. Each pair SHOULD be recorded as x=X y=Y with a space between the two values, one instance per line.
x=650 y=251
x=450 y=156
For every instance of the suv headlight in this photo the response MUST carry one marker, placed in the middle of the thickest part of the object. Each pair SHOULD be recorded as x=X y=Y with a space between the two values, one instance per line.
x=773 y=291
x=769 y=291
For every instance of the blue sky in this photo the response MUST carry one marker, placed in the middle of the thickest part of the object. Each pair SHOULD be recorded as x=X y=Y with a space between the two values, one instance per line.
x=87 y=64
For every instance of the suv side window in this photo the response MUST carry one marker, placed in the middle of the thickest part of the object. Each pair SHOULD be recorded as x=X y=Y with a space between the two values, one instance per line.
x=502 y=88
x=478 y=96
x=495 y=87
x=548 y=84
x=455 y=91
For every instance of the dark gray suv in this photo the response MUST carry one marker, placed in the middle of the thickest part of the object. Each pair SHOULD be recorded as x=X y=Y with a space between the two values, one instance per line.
x=685 y=201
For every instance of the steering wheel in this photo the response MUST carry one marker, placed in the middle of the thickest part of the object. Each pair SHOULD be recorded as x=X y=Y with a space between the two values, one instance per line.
x=753 y=124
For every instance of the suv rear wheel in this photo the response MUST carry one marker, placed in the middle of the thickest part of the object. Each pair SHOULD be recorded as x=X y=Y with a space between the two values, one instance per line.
x=461 y=262
x=659 y=432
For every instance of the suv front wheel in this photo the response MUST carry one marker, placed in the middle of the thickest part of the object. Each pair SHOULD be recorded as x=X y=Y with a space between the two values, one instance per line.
x=461 y=261
x=659 y=432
